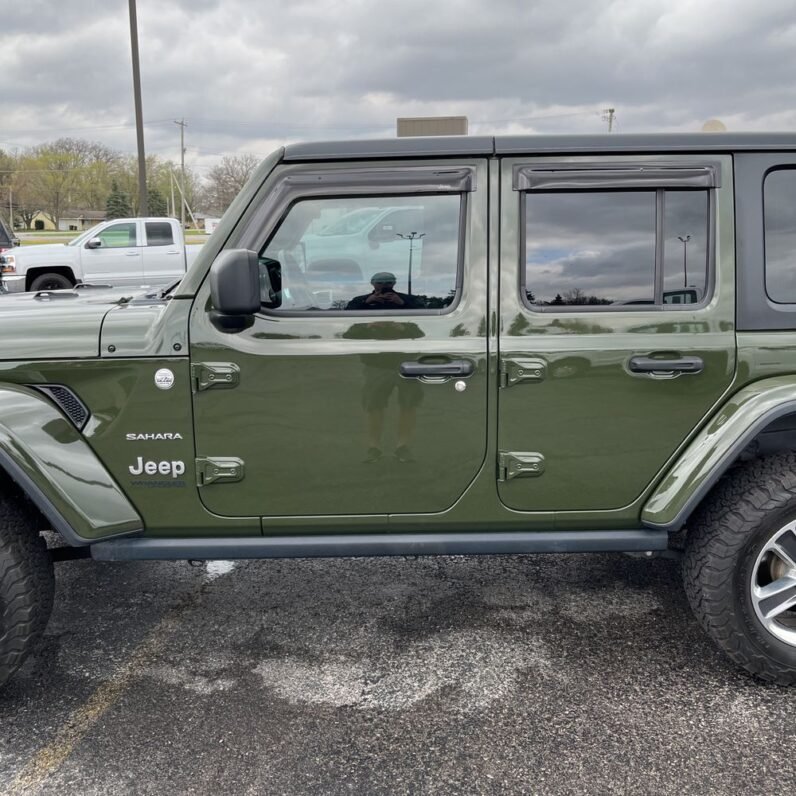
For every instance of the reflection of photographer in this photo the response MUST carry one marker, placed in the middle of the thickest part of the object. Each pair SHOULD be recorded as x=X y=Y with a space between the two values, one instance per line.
x=384 y=296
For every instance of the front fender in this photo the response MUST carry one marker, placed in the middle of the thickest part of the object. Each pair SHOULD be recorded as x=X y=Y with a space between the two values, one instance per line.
x=715 y=448
x=49 y=459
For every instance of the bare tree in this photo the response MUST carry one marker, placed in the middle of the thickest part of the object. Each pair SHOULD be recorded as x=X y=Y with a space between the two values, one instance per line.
x=225 y=180
x=68 y=172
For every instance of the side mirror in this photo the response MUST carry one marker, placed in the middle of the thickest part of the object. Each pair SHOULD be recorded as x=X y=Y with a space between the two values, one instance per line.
x=16 y=242
x=93 y=243
x=235 y=283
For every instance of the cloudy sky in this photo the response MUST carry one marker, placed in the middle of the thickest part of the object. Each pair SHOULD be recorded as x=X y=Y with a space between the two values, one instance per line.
x=249 y=75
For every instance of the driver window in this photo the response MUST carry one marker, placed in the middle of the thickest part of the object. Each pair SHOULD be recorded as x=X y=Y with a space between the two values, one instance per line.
x=118 y=236
x=364 y=254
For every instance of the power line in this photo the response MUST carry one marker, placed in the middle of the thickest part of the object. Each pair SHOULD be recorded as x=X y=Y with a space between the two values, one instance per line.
x=90 y=127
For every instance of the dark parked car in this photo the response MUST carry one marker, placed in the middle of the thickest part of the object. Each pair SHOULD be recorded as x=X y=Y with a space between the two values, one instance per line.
x=7 y=238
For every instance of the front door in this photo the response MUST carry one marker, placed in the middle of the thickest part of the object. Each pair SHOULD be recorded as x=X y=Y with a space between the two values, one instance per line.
x=617 y=323
x=361 y=386
x=118 y=259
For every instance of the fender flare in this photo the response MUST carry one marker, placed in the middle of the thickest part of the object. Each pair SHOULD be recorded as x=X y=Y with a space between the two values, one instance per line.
x=715 y=448
x=54 y=465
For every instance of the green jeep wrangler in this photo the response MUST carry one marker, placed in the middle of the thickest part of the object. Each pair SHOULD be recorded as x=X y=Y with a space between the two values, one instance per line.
x=436 y=346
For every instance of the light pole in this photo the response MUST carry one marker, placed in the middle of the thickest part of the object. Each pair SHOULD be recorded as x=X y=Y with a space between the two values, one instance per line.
x=411 y=237
x=684 y=241
x=183 y=124
x=143 y=201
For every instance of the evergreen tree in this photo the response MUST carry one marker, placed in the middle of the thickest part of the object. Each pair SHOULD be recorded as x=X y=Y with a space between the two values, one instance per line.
x=156 y=202
x=118 y=204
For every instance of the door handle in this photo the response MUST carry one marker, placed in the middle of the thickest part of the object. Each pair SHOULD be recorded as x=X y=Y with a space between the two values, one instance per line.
x=674 y=365
x=456 y=367
x=131 y=254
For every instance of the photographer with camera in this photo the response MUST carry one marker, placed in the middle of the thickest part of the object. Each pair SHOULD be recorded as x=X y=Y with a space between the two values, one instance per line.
x=384 y=296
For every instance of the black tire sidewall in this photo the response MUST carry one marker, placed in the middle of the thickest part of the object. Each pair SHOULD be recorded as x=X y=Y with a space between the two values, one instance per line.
x=43 y=278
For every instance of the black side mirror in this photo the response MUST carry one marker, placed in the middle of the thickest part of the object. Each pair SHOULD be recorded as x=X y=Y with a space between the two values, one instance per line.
x=16 y=242
x=235 y=283
x=93 y=243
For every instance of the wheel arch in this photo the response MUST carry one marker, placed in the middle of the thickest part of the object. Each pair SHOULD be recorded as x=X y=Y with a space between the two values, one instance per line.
x=38 y=270
x=82 y=501
x=758 y=419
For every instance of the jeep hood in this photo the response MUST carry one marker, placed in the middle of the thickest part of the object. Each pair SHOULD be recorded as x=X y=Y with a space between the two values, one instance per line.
x=62 y=324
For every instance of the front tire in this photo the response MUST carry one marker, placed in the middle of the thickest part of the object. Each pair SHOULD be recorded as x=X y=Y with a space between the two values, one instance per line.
x=739 y=567
x=26 y=584
x=51 y=282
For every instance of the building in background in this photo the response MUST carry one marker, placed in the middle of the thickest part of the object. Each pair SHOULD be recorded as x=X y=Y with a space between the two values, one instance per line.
x=431 y=125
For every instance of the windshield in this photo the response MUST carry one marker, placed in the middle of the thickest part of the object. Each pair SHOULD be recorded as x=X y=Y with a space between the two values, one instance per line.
x=89 y=233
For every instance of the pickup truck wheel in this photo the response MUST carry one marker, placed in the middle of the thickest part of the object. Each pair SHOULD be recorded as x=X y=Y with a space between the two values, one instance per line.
x=26 y=585
x=51 y=282
x=739 y=567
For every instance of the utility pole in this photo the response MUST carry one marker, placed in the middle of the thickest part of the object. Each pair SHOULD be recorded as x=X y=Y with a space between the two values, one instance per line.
x=183 y=124
x=411 y=237
x=143 y=201
x=608 y=116
x=684 y=241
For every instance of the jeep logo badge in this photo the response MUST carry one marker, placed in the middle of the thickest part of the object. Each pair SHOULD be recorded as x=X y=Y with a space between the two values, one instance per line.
x=164 y=379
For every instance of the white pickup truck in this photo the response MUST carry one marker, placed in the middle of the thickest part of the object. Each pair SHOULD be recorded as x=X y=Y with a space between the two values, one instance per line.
x=125 y=252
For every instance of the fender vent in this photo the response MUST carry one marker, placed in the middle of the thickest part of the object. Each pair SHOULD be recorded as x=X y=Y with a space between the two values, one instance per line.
x=67 y=402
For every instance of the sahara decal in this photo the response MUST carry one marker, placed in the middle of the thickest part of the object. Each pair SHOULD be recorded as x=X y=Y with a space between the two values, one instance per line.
x=153 y=436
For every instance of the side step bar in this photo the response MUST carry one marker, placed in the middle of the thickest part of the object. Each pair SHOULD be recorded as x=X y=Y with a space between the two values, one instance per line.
x=394 y=544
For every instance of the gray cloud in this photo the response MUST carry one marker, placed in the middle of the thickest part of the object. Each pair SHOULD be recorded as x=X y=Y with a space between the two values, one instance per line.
x=250 y=75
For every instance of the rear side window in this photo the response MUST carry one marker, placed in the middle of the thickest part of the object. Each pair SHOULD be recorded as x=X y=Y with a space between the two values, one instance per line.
x=159 y=233
x=779 y=197
x=364 y=254
x=613 y=249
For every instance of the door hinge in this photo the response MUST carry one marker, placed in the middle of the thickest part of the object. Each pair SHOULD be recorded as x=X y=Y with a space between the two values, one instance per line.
x=515 y=464
x=218 y=469
x=513 y=371
x=206 y=375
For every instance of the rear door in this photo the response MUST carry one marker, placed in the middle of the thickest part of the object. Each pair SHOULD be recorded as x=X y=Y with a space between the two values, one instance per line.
x=617 y=313
x=119 y=259
x=360 y=388
x=164 y=258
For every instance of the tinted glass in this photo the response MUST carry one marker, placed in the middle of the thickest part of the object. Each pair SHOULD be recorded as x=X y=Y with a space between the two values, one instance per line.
x=159 y=233
x=595 y=248
x=364 y=254
x=118 y=236
x=685 y=248
x=780 y=235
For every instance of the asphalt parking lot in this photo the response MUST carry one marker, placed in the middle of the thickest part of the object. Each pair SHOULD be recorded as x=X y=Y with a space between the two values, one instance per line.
x=545 y=674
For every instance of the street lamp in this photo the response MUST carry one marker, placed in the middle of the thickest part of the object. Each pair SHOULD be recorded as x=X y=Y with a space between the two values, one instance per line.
x=684 y=241
x=411 y=237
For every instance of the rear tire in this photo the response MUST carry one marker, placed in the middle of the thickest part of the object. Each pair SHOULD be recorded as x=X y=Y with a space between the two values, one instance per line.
x=26 y=584
x=739 y=567
x=51 y=282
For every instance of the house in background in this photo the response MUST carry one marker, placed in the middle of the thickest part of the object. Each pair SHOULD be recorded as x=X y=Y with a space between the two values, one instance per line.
x=40 y=222
x=71 y=221
x=78 y=220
